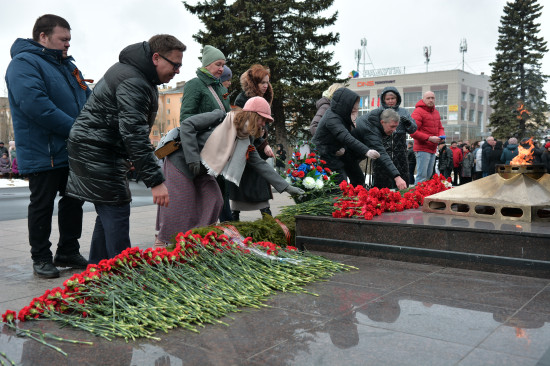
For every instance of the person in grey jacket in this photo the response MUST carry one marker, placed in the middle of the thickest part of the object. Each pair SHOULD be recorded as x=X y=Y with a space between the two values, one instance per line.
x=333 y=135
x=113 y=131
x=396 y=143
x=212 y=144
x=467 y=165
x=323 y=105
x=372 y=131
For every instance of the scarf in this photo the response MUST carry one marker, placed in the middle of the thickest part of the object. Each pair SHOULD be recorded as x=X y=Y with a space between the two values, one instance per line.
x=226 y=150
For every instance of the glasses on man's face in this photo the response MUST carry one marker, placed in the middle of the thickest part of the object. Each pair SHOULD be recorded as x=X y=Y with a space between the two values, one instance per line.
x=174 y=64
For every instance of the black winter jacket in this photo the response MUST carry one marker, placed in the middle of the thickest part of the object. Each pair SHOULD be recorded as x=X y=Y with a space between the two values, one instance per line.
x=445 y=160
x=113 y=130
x=395 y=145
x=333 y=131
x=371 y=133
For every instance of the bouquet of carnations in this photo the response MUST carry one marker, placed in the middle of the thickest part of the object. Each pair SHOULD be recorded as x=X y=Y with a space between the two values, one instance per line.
x=311 y=175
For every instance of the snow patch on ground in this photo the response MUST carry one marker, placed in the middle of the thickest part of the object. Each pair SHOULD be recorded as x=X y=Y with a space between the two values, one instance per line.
x=11 y=183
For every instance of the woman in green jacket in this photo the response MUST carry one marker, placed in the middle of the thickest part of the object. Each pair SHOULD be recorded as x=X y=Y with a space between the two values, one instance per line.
x=205 y=93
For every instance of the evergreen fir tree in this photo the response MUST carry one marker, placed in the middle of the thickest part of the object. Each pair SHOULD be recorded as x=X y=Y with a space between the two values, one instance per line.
x=518 y=97
x=286 y=37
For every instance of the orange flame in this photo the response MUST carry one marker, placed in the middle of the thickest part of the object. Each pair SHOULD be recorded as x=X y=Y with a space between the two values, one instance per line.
x=525 y=155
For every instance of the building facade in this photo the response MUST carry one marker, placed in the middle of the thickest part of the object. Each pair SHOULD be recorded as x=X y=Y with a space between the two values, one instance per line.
x=168 y=114
x=461 y=98
x=6 y=124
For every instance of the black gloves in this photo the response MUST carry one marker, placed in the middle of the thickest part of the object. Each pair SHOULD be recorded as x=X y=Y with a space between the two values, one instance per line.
x=195 y=168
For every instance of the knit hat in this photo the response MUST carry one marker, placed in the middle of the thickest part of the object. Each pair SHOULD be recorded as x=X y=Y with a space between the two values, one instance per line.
x=547 y=145
x=211 y=54
x=258 y=105
x=226 y=74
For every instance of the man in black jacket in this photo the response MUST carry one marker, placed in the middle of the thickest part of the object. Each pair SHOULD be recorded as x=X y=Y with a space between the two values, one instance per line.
x=487 y=148
x=113 y=131
x=396 y=143
x=372 y=132
x=445 y=159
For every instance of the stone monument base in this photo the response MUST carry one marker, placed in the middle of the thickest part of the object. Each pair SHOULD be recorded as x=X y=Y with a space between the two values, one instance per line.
x=519 y=248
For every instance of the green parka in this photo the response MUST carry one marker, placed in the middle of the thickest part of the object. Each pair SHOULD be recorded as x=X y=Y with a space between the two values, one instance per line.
x=197 y=98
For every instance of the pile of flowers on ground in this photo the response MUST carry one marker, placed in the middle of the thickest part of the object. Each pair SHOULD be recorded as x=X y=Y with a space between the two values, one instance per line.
x=361 y=203
x=310 y=174
x=202 y=279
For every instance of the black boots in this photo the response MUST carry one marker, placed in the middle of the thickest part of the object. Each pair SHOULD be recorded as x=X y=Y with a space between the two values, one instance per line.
x=266 y=211
x=235 y=215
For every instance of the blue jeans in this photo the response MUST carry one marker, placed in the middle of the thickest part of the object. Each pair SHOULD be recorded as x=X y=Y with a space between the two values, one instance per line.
x=424 y=166
x=111 y=232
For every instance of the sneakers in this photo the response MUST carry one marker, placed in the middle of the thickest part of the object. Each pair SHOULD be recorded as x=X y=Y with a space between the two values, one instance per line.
x=73 y=261
x=45 y=270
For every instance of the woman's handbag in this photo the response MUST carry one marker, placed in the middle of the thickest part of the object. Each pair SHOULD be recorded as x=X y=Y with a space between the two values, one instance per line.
x=169 y=143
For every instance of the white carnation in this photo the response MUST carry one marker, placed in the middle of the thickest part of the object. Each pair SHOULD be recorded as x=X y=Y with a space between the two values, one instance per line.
x=288 y=180
x=319 y=184
x=309 y=182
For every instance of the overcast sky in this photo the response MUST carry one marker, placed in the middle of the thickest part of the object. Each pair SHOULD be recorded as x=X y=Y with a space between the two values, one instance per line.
x=396 y=32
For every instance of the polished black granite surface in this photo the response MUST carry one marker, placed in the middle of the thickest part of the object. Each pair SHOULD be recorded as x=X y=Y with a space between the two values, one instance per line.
x=447 y=240
x=383 y=313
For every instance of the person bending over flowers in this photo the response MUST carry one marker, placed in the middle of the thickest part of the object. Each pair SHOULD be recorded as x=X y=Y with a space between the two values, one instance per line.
x=211 y=147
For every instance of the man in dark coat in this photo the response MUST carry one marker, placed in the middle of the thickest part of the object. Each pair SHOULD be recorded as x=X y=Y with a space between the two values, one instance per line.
x=486 y=152
x=396 y=143
x=46 y=94
x=445 y=159
x=112 y=131
x=333 y=135
x=373 y=131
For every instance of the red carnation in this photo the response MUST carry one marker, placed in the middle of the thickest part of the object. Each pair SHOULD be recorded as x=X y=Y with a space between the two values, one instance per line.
x=301 y=174
x=9 y=316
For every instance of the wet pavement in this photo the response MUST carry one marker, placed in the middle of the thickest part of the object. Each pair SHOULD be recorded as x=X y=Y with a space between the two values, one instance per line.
x=384 y=313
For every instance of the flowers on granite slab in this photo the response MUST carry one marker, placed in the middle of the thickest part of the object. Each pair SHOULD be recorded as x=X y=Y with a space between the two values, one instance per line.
x=358 y=202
